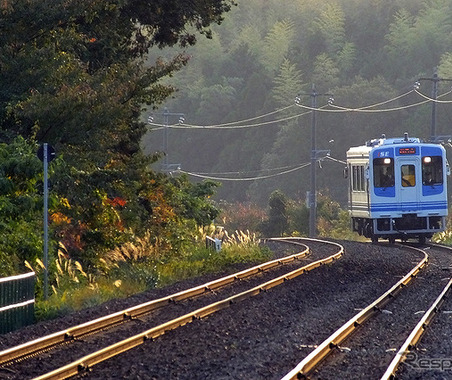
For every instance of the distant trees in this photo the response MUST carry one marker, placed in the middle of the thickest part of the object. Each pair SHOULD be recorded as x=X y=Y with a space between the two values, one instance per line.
x=287 y=84
x=362 y=52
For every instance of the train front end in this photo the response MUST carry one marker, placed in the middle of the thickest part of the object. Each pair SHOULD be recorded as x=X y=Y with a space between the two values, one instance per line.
x=406 y=190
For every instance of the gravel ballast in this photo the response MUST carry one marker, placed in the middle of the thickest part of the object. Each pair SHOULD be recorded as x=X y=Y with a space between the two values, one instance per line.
x=261 y=338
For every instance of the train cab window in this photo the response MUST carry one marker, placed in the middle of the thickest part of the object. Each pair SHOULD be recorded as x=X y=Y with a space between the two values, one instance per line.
x=432 y=170
x=383 y=172
x=408 y=174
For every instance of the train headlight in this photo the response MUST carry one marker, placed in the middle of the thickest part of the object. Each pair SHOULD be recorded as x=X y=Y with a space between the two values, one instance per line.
x=427 y=160
x=387 y=161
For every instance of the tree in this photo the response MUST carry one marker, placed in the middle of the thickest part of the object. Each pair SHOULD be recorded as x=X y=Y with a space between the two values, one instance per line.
x=419 y=38
x=20 y=206
x=287 y=84
x=277 y=44
x=331 y=26
x=85 y=55
x=277 y=222
x=73 y=74
x=325 y=73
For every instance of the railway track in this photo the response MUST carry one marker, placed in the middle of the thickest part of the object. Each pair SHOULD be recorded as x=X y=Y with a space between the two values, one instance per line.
x=368 y=353
x=269 y=333
x=80 y=332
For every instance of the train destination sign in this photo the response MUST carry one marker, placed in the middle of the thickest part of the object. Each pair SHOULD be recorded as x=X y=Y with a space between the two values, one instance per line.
x=408 y=150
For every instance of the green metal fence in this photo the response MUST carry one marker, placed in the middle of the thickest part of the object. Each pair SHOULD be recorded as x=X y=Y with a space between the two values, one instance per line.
x=17 y=301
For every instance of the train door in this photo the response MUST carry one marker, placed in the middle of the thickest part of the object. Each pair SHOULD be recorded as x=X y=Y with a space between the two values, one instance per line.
x=410 y=177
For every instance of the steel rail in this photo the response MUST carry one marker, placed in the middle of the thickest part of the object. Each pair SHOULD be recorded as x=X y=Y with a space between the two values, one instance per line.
x=417 y=332
x=88 y=361
x=75 y=332
x=310 y=362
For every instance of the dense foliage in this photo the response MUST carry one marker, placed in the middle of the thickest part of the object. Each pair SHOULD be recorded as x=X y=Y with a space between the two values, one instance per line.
x=73 y=74
x=267 y=52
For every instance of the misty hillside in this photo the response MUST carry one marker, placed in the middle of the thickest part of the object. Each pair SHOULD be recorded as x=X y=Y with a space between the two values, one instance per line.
x=266 y=52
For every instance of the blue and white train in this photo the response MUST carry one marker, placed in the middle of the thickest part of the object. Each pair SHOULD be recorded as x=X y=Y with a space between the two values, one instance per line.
x=397 y=188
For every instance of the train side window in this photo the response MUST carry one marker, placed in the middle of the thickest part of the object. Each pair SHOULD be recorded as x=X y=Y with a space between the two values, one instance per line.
x=408 y=173
x=358 y=180
x=432 y=170
x=383 y=172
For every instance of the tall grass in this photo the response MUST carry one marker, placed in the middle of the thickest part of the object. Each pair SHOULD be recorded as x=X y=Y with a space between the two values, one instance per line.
x=241 y=247
x=136 y=267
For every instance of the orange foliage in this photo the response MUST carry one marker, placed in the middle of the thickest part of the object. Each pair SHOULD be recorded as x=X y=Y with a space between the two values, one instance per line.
x=162 y=212
x=59 y=218
x=115 y=202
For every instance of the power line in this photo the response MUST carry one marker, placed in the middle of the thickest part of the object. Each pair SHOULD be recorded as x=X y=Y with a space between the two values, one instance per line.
x=217 y=127
x=214 y=176
x=401 y=108
x=435 y=100
x=248 y=171
x=388 y=101
x=244 y=179
x=338 y=109
x=253 y=118
x=365 y=109
x=435 y=79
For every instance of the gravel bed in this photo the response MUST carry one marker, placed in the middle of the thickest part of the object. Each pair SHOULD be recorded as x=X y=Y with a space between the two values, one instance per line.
x=371 y=349
x=432 y=358
x=47 y=327
x=47 y=362
x=260 y=338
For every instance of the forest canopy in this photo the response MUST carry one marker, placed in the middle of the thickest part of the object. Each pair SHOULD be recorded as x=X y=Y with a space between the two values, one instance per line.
x=266 y=53
x=73 y=74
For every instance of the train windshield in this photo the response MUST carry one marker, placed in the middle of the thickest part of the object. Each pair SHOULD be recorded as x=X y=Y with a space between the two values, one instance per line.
x=432 y=170
x=383 y=172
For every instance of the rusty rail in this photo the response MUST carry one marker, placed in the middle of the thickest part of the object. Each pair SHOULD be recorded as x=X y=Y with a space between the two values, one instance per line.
x=308 y=364
x=87 y=362
x=73 y=333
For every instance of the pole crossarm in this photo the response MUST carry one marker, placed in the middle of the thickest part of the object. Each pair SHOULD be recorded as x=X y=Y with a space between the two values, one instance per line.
x=166 y=166
x=435 y=79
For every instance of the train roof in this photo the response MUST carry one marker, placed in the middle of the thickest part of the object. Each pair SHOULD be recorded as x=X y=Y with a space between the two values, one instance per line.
x=364 y=150
x=392 y=141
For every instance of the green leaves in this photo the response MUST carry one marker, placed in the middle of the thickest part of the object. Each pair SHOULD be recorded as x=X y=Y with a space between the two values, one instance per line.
x=20 y=205
x=73 y=75
x=287 y=83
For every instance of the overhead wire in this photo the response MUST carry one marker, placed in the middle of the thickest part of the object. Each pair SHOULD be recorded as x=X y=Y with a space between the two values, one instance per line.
x=213 y=176
x=246 y=178
x=400 y=108
x=193 y=126
x=435 y=100
x=387 y=101
x=338 y=108
x=366 y=109
x=233 y=125
x=255 y=117
x=229 y=125
x=247 y=172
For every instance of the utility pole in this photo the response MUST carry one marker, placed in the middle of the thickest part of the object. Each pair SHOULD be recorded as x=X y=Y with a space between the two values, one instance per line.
x=46 y=153
x=434 y=79
x=314 y=158
x=166 y=166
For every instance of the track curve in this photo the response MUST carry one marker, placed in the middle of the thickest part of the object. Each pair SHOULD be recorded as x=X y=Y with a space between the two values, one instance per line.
x=93 y=326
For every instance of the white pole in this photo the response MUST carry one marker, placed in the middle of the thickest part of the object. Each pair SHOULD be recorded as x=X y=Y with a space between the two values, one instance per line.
x=46 y=222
